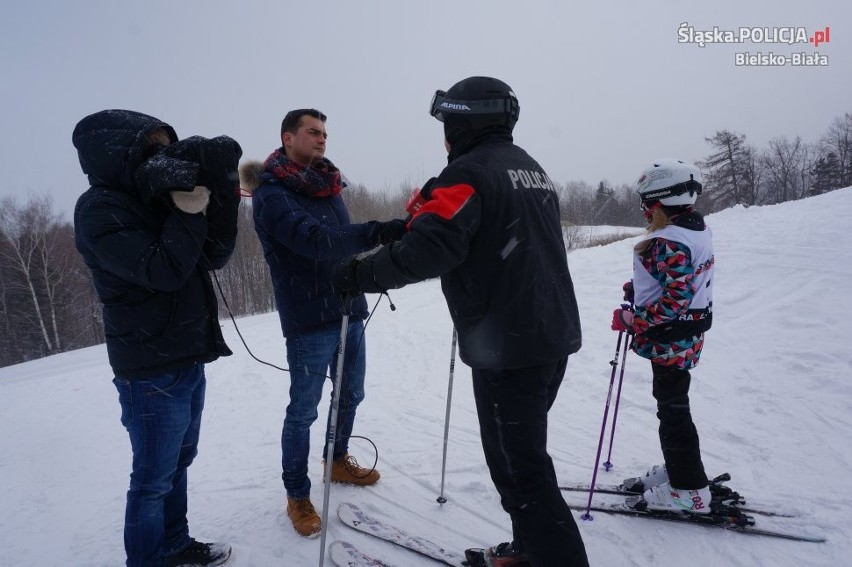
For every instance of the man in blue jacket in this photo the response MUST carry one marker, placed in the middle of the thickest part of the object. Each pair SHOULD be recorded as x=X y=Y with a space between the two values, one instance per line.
x=159 y=214
x=304 y=228
x=489 y=227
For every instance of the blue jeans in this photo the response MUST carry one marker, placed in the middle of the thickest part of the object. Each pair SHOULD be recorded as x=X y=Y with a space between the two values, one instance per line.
x=312 y=357
x=162 y=415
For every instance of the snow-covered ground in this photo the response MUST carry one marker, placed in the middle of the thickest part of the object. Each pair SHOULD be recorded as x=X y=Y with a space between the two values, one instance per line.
x=584 y=236
x=772 y=399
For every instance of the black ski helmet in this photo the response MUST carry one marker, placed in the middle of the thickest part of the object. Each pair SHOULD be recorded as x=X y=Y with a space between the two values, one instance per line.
x=481 y=101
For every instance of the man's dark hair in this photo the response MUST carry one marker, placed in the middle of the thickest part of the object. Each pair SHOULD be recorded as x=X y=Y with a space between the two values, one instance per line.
x=294 y=117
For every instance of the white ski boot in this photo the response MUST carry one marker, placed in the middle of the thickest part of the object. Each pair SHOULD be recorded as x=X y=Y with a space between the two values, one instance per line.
x=666 y=498
x=655 y=476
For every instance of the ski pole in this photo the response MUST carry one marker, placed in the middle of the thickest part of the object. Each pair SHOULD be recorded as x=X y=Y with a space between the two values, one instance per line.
x=608 y=464
x=614 y=363
x=332 y=421
x=441 y=498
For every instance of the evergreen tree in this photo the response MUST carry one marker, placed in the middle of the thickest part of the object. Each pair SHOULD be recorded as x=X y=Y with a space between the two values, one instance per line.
x=827 y=175
x=731 y=171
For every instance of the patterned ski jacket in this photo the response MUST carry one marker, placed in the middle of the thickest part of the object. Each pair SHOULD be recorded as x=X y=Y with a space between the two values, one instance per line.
x=673 y=283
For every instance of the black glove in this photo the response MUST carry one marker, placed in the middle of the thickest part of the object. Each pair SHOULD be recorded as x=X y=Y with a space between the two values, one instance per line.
x=219 y=162
x=344 y=277
x=190 y=162
x=386 y=232
x=161 y=173
x=217 y=159
x=628 y=291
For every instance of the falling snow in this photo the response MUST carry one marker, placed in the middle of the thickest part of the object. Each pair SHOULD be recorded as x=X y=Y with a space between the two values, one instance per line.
x=771 y=399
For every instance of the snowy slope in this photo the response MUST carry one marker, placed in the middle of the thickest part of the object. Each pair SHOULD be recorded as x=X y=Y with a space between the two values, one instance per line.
x=771 y=399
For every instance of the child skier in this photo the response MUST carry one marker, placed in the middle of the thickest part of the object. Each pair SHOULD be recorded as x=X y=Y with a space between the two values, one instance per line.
x=672 y=290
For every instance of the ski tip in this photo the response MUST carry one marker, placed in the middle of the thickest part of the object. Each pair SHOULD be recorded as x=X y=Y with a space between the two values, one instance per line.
x=347 y=508
x=345 y=554
x=349 y=513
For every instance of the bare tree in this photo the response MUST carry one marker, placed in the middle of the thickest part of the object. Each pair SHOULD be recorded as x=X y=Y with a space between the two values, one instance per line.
x=46 y=295
x=577 y=202
x=630 y=211
x=79 y=310
x=838 y=141
x=245 y=280
x=787 y=165
x=8 y=346
x=29 y=246
x=366 y=205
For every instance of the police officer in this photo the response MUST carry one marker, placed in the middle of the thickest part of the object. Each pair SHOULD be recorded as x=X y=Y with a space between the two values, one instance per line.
x=489 y=227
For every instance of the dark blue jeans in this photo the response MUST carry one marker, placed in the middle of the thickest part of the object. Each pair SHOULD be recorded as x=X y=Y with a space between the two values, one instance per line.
x=312 y=357
x=162 y=415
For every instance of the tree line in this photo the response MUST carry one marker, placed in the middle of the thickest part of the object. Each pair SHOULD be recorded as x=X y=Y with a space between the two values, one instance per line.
x=735 y=173
x=786 y=170
x=48 y=304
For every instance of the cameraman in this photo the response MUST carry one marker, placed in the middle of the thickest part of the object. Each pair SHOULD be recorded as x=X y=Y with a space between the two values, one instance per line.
x=159 y=214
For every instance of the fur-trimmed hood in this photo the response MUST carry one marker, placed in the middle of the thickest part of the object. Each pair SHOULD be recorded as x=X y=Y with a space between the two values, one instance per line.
x=250 y=175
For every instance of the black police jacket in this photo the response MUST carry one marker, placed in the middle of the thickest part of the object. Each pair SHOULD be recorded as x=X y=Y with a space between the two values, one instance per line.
x=489 y=227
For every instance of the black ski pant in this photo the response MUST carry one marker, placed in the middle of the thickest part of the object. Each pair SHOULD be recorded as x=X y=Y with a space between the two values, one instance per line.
x=512 y=406
x=678 y=436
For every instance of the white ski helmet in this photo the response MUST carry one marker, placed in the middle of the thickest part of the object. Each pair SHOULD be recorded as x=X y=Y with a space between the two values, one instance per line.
x=670 y=181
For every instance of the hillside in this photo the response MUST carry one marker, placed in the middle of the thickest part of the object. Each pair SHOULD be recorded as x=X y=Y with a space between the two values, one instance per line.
x=771 y=400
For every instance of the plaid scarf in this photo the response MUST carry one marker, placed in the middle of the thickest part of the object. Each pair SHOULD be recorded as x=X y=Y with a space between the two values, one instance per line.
x=319 y=180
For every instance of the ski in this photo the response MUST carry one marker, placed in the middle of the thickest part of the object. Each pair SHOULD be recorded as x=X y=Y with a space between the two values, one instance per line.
x=344 y=554
x=475 y=557
x=720 y=493
x=355 y=517
x=617 y=489
x=723 y=516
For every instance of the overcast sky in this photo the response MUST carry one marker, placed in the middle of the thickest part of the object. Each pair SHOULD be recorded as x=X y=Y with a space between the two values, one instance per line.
x=604 y=87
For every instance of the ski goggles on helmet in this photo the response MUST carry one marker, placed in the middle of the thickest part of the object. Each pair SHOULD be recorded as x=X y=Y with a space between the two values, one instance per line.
x=441 y=106
x=691 y=187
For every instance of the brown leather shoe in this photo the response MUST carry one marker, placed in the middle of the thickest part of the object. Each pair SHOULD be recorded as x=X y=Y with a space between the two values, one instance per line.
x=305 y=519
x=347 y=470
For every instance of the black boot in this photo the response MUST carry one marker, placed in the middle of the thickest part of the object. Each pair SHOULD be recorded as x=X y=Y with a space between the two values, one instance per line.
x=198 y=554
x=503 y=555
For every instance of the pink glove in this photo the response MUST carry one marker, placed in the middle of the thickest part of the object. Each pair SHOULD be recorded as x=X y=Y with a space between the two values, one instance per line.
x=622 y=320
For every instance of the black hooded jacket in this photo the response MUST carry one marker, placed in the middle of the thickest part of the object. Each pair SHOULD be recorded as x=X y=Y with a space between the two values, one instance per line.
x=149 y=260
x=489 y=227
